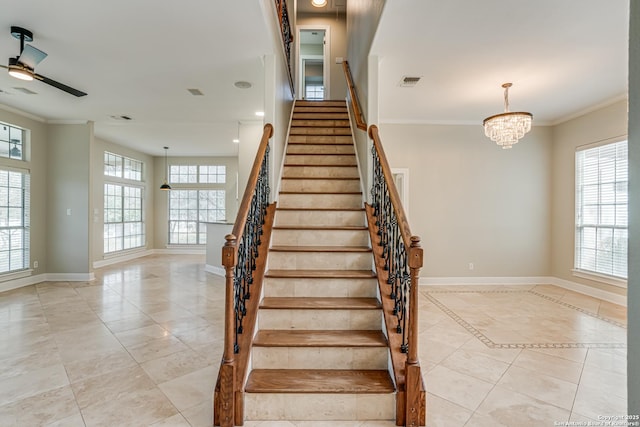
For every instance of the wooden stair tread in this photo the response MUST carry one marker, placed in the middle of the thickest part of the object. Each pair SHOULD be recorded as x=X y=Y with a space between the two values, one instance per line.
x=319 y=381
x=321 y=154
x=319 y=303
x=319 y=209
x=320 y=143
x=315 y=165
x=319 y=338
x=281 y=248
x=336 y=178
x=321 y=227
x=321 y=274
x=329 y=192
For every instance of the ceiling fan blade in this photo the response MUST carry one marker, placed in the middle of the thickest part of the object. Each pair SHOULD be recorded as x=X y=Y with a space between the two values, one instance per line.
x=60 y=86
x=31 y=56
x=4 y=66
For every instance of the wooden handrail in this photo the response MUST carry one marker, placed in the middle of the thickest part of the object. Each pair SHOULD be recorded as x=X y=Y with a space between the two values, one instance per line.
x=412 y=407
x=405 y=230
x=243 y=210
x=361 y=123
x=238 y=258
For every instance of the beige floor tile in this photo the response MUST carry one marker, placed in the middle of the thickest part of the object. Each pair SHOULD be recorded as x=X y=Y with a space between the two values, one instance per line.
x=175 y=365
x=505 y=355
x=442 y=413
x=130 y=409
x=191 y=389
x=201 y=415
x=539 y=386
x=175 y=421
x=32 y=383
x=98 y=363
x=156 y=348
x=553 y=366
x=40 y=409
x=507 y=408
x=476 y=365
x=461 y=389
x=592 y=401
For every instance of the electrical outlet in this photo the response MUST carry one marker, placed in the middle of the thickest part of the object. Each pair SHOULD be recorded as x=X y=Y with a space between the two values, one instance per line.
x=35 y=264
x=470 y=266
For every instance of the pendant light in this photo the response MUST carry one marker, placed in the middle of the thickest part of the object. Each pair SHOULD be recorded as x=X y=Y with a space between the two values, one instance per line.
x=505 y=129
x=166 y=185
x=15 y=152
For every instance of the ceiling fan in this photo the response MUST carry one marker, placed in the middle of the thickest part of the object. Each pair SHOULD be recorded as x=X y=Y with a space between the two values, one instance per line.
x=23 y=66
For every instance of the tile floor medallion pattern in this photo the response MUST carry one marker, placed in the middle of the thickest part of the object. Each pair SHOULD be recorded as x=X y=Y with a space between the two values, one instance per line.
x=141 y=346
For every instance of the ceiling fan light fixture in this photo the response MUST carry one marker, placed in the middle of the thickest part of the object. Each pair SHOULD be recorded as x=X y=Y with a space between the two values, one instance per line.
x=19 y=71
x=319 y=3
x=505 y=129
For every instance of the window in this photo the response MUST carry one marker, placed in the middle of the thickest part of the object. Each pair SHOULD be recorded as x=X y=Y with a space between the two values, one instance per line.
x=601 y=209
x=122 y=167
x=14 y=221
x=314 y=92
x=11 y=142
x=123 y=214
x=190 y=210
x=196 y=198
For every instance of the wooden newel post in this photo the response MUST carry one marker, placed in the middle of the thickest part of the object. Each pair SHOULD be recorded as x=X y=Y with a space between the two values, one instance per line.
x=228 y=369
x=414 y=411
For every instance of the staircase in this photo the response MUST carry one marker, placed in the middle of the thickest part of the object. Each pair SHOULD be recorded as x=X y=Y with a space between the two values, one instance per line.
x=319 y=352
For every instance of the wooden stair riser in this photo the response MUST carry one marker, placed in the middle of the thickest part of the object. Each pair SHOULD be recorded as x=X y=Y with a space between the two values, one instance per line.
x=320 y=260
x=320 y=131
x=320 y=172
x=323 y=159
x=319 y=217
x=321 y=185
x=320 y=104
x=320 y=237
x=338 y=288
x=319 y=358
x=312 y=200
x=326 y=407
x=319 y=149
x=321 y=116
x=320 y=123
x=322 y=139
x=325 y=109
x=369 y=320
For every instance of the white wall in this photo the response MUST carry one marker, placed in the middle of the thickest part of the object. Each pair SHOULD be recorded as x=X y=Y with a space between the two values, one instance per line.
x=605 y=123
x=472 y=202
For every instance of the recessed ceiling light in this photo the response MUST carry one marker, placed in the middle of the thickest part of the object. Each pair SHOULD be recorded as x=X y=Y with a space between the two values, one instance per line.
x=319 y=3
x=260 y=113
x=236 y=141
x=242 y=85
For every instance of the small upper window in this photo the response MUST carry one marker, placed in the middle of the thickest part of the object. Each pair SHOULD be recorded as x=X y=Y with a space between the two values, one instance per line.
x=193 y=174
x=11 y=142
x=122 y=167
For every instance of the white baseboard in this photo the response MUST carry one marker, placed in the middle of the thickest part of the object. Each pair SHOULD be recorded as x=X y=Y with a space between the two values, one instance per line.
x=591 y=291
x=69 y=277
x=180 y=251
x=127 y=257
x=218 y=271
x=22 y=282
x=540 y=280
x=485 y=280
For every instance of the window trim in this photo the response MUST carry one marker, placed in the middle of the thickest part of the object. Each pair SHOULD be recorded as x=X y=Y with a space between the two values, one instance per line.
x=26 y=225
x=576 y=270
x=122 y=185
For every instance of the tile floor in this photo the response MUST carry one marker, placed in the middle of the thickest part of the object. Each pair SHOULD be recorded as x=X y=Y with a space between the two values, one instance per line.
x=140 y=346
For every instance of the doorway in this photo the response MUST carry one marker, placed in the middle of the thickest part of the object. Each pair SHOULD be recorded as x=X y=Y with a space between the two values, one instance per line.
x=313 y=76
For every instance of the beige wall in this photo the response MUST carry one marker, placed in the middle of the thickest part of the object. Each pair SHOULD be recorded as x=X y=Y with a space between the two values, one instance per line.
x=605 y=123
x=473 y=202
x=338 y=48
x=68 y=188
x=97 y=193
x=36 y=163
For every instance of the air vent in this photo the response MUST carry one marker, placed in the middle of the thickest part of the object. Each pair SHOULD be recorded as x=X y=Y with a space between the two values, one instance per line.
x=242 y=85
x=25 y=90
x=408 y=81
x=121 y=118
x=195 y=92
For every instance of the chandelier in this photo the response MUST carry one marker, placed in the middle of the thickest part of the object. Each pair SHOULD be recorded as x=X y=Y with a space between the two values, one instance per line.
x=508 y=127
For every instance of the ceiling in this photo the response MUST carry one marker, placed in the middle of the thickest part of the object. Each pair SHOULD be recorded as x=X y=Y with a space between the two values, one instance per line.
x=138 y=58
x=563 y=58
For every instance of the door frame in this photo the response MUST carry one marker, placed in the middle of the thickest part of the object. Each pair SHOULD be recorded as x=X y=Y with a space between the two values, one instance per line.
x=326 y=49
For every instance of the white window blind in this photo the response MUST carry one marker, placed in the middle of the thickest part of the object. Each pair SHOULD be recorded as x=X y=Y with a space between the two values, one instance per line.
x=602 y=209
x=14 y=221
